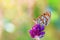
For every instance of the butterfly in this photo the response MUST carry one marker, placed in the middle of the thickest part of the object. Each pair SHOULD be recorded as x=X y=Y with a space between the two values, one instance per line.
x=43 y=19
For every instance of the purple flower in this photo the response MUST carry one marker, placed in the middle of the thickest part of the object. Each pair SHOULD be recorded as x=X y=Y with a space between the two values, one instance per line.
x=37 y=30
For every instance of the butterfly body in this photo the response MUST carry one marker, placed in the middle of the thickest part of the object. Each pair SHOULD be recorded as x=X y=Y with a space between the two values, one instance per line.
x=43 y=19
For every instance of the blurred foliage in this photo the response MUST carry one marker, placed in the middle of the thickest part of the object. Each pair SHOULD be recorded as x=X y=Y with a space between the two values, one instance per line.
x=23 y=22
x=36 y=11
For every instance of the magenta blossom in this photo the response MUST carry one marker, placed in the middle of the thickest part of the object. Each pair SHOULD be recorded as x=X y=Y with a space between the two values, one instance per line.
x=37 y=30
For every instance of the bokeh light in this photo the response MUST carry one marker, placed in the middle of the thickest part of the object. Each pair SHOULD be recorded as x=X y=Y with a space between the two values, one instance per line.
x=9 y=27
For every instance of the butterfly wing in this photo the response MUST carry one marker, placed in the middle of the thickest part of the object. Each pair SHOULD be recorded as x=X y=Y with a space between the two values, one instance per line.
x=43 y=19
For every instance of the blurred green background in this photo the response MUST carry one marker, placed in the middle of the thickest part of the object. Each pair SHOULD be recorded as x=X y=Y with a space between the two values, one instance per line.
x=17 y=18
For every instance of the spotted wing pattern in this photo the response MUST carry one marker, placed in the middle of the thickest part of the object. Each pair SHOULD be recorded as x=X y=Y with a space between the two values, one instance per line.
x=43 y=19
